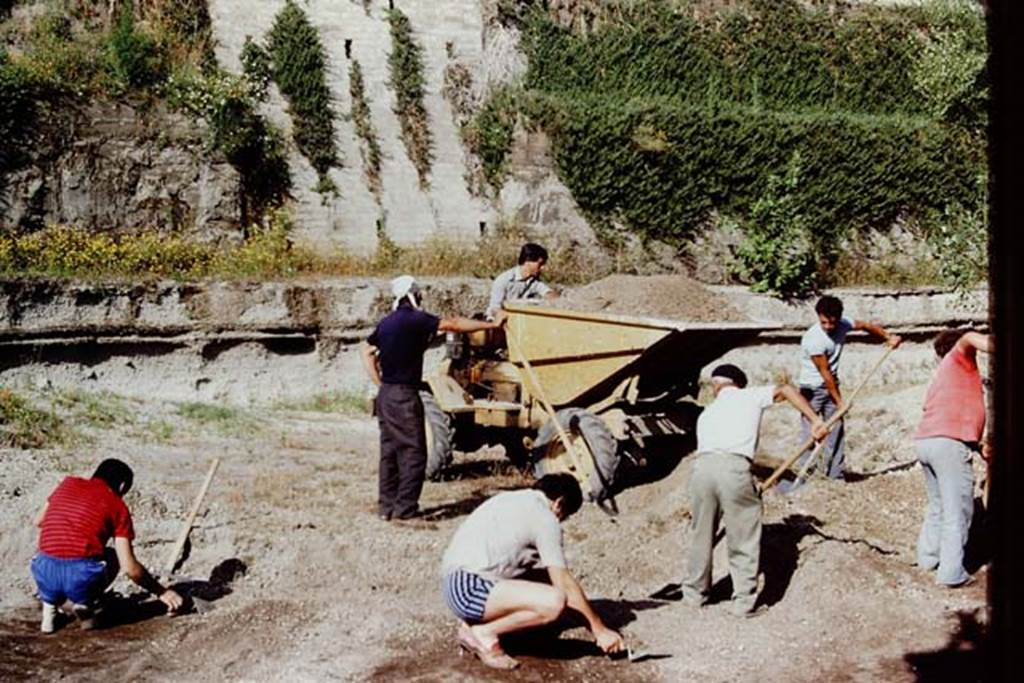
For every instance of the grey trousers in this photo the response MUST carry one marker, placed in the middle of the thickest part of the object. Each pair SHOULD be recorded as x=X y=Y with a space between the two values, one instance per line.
x=403 y=450
x=833 y=450
x=722 y=487
x=949 y=479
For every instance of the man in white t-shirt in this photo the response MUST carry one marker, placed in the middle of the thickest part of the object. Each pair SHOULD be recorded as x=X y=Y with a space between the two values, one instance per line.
x=506 y=536
x=721 y=485
x=821 y=347
x=522 y=281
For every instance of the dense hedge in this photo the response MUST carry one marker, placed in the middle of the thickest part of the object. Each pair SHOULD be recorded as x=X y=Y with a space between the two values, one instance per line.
x=774 y=56
x=661 y=166
x=661 y=116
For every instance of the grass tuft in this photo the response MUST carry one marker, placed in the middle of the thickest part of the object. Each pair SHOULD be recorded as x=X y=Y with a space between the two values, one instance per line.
x=22 y=425
x=344 y=402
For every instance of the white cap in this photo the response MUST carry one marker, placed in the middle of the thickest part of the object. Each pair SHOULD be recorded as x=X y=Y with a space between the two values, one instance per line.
x=405 y=286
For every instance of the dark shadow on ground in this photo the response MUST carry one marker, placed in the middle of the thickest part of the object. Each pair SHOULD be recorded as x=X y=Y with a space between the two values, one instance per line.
x=548 y=642
x=124 y=628
x=780 y=553
x=964 y=658
x=660 y=455
x=461 y=508
x=854 y=477
x=478 y=469
x=659 y=459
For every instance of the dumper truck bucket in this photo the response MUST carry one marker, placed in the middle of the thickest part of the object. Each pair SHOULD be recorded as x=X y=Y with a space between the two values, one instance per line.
x=580 y=358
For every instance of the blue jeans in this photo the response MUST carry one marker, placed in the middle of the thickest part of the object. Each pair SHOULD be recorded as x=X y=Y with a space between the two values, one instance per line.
x=833 y=450
x=80 y=580
x=949 y=479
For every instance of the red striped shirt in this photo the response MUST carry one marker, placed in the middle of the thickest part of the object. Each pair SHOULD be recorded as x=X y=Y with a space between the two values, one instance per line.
x=81 y=516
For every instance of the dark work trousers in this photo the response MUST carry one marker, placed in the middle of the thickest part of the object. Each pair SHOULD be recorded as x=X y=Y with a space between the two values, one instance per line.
x=403 y=449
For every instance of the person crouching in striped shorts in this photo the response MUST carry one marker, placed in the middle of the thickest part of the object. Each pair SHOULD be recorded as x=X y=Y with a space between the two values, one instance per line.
x=508 y=535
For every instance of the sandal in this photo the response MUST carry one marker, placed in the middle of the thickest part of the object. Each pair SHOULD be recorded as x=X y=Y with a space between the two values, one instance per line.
x=494 y=658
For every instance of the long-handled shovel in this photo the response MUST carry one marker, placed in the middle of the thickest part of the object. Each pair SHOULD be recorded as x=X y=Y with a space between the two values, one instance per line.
x=832 y=421
x=171 y=564
x=537 y=390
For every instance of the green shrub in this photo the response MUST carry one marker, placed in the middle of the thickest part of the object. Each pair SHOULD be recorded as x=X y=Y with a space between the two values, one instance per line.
x=300 y=71
x=959 y=239
x=405 y=65
x=22 y=425
x=134 y=60
x=253 y=146
x=489 y=134
x=778 y=255
x=256 y=67
x=184 y=27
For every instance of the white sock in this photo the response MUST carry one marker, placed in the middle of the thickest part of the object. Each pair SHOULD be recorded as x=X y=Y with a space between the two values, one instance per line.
x=49 y=617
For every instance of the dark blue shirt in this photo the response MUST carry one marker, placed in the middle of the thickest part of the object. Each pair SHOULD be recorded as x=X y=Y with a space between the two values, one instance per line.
x=402 y=338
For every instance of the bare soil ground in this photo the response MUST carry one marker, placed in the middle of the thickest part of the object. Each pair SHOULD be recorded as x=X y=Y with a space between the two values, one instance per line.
x=658 y=296
x=331 y=592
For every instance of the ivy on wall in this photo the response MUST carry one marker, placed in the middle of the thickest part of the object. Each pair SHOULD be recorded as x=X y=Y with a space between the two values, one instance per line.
x=370 y=148
x=300 y=71
x=662 y=119
x=405 y=64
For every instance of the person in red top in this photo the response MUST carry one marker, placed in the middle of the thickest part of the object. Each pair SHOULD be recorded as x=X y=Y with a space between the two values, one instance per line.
x=74 y=563
x=949 y=433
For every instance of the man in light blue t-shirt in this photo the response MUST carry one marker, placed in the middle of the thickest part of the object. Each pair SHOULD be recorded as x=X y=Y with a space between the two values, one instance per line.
x=821 y=347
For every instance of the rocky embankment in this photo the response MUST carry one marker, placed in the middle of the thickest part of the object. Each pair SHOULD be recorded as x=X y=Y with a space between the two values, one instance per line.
x=243 y=342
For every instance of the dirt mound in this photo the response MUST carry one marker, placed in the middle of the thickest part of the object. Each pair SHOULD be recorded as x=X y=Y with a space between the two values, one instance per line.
x=676 y=297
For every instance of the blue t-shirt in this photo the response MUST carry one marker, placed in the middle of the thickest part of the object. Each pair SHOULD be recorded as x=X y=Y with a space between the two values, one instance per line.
x=817 y=342
x=402 y=338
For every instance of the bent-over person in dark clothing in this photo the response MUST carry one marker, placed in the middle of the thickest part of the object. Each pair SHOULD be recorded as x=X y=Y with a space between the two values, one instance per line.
x=393 y=356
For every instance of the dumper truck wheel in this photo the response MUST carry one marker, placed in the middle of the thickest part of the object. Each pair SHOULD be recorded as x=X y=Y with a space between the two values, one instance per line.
x=439 y=431
x=549 y=453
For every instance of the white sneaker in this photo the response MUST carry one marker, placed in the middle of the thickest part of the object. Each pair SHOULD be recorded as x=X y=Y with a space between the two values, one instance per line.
x=48 y=624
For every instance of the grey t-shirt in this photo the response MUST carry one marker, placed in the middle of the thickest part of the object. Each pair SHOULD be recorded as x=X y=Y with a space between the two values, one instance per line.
x=816 y=342
x=510 y=285
x=508 y=534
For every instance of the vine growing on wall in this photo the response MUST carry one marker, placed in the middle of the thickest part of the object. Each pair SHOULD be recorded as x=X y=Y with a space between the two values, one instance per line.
x=459 y=92
x=405 y=64
x=300 y=71
x=370 y=148
x=663 y=119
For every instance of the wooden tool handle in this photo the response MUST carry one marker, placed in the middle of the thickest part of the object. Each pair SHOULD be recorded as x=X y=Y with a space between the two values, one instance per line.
x=836 y=417
x=186 y=528
x=517 y=354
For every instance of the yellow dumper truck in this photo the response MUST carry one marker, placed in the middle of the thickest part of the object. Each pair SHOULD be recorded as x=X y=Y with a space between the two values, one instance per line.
x=612 y=381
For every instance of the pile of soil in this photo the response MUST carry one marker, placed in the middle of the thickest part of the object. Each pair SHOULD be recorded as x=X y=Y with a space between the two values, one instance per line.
x=675 y=297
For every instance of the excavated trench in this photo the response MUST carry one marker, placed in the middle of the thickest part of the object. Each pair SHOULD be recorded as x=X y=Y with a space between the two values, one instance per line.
x=242 y=342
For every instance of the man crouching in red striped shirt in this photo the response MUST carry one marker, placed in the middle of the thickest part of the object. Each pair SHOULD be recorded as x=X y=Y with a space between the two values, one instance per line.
x=74 y=562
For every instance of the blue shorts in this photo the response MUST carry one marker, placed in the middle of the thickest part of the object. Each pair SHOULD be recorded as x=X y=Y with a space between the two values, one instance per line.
x=466 y=593
x=80 y=581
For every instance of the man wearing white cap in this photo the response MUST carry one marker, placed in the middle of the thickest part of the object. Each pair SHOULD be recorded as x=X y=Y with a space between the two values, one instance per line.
x=393 y=356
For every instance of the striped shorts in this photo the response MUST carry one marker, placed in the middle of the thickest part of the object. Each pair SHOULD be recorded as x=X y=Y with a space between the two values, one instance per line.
x=466 y=593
